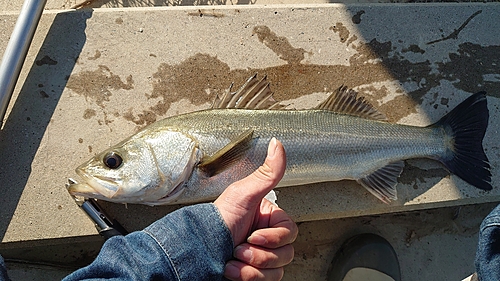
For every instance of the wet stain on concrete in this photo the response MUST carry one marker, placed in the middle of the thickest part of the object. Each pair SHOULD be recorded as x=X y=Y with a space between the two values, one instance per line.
x=469 y=66
x=356 y=19
x=414 y=49
x=374 y=61
x=46 y=60
x=119 y=21
x=202 y=76
x=89 y=113
x=279 y=45
x=96 y=55
x=44 y=94
x=341 y=30
x=145 y=118
x=95 y=85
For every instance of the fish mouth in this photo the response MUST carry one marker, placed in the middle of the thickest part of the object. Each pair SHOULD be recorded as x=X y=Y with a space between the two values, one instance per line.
x=80 y=189
x=93 y=186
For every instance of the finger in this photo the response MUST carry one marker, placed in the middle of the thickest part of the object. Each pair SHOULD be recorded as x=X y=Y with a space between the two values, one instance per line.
x=240 y=202
x=273 y=238
x=263 y=258
x=277 y=230
x=254 y=187
x=239 y=271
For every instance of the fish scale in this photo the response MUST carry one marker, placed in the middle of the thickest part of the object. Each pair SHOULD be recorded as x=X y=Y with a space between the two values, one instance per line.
x=342 y=147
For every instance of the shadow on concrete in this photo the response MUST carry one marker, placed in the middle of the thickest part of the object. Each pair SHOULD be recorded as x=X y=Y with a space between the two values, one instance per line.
x=68 y=253
x=27 y=122
x=429 y=80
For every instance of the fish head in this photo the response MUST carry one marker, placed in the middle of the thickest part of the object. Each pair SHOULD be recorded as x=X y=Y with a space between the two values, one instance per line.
x=139 y=170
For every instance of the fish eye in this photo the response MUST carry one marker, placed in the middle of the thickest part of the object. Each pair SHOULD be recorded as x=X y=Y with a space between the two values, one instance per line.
x=112 y=160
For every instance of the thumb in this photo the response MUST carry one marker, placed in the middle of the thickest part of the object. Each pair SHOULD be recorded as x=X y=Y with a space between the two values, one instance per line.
x=239 y=203
x=266 y=177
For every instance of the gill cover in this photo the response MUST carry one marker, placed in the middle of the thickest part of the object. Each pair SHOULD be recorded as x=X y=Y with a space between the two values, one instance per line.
x=140 y=169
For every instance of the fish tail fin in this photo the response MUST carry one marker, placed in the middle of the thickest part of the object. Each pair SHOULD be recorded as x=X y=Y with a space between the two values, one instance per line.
x=466 y=125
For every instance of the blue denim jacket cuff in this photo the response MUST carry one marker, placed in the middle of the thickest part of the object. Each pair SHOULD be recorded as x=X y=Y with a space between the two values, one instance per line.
x=196 y=240
x=488 y=251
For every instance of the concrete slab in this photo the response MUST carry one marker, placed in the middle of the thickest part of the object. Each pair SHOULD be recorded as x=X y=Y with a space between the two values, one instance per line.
x=93 y=77
x=436 y=244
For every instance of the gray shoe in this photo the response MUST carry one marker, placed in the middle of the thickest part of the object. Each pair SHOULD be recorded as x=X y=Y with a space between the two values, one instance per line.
x=365 y=257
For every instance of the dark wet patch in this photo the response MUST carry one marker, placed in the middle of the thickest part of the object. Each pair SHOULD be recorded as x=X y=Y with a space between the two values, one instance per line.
x=279 y=45
x=44 y=94
x=414 y=49
x=200 y=77
x=444 y=101
x=89 y=113
x=95 y=85
x=469 y=65
x=341 y=30
x=96 y=55
x=119 y=21
x=356 y=19
x=46 y=60
x=145 y=118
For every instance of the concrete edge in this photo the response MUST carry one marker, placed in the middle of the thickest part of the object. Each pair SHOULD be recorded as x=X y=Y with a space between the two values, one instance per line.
x=258 y=6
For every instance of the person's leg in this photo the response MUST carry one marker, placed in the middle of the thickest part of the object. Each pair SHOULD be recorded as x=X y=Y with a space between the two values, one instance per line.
x=488 y=250
x=366 y=257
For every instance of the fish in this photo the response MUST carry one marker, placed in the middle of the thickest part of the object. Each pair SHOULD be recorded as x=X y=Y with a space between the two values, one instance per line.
x=193 y=157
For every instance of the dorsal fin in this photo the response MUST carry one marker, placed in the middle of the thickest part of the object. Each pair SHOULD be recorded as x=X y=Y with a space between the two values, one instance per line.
x=254 y=94
x=346 y=101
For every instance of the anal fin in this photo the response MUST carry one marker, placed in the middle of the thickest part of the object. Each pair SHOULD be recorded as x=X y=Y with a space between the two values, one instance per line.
x=226 y=156
x=382 y=183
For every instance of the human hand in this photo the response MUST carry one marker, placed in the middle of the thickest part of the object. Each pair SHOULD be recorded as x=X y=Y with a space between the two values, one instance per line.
x=262 y=232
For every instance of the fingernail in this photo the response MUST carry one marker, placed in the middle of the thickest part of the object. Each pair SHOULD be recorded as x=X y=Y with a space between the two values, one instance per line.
x=231 y=271
x=271 y=150
x=243 y=254
x=257 y=240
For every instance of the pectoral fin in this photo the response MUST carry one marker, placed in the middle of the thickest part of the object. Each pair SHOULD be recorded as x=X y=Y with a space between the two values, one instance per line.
x=226 y=156
x=382 y=183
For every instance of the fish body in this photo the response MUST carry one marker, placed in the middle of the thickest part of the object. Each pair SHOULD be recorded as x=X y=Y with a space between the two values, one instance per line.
x=193 y=157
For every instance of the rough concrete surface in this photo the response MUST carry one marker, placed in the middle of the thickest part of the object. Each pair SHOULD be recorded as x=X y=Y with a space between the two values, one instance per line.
x=93 y=77
x=434 y=244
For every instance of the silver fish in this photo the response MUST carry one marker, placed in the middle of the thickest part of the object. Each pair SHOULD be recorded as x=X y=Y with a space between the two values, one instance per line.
x=193 y=157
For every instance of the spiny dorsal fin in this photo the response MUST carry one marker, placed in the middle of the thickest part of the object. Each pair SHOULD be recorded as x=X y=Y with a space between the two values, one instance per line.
x=254 y=94
x=345 y=101
x=382 y=183
x=226 y=156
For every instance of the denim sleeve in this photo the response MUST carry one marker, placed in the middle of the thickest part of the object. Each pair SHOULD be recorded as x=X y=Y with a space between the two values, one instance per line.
x=3 y=271
x=488 y=250
x=192 y=243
